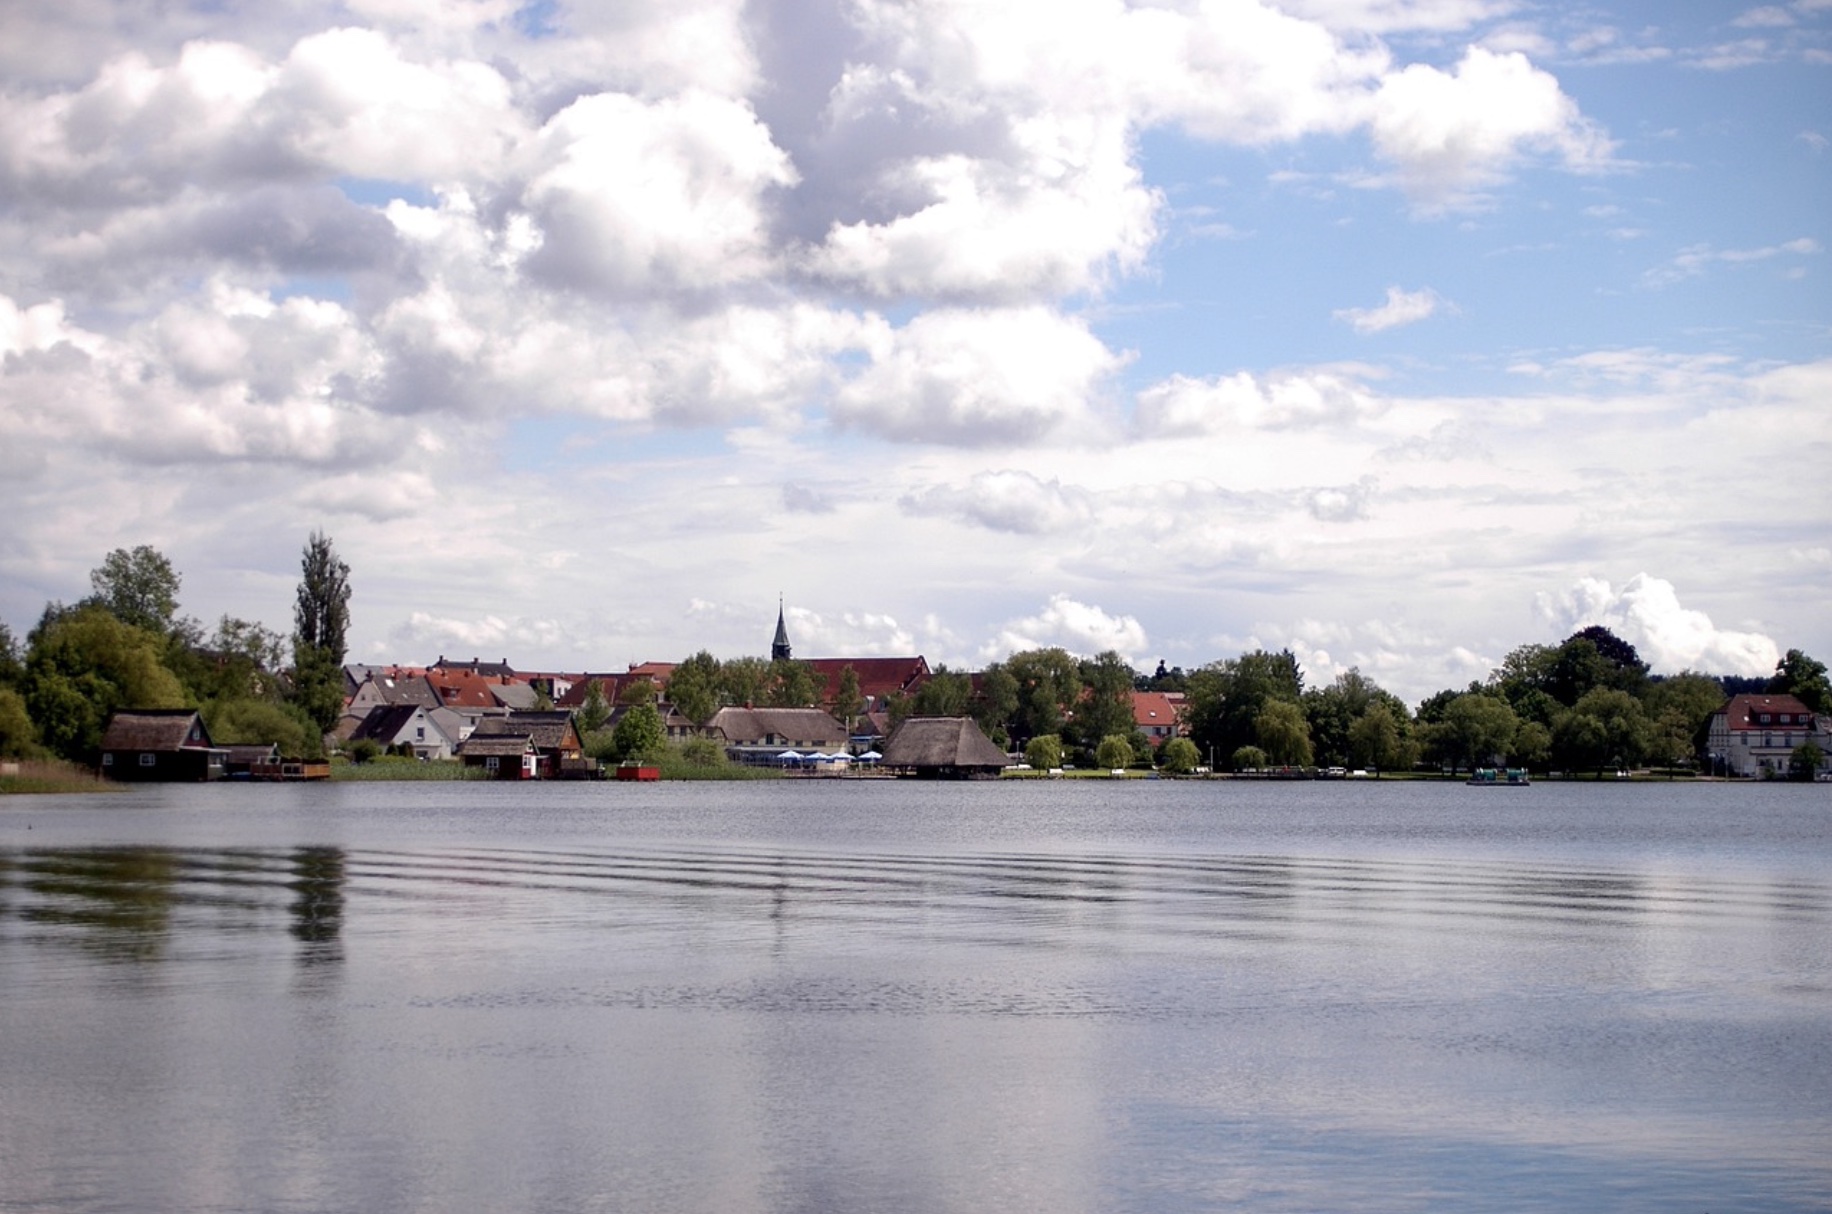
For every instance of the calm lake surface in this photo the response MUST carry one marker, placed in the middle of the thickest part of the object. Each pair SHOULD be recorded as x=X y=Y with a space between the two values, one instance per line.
x=881 y=996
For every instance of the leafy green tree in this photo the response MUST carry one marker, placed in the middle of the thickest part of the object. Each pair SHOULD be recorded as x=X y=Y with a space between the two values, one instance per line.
x=364 y=750
x=1224 y=699
x=1625 y=726
x=12 y=662
x=1180 y=756
x=1113 y=752
x=1049 y=685
x=1248 y=758
x=793 y=685
x=1805 y=679
x=252 y=722
x=1679 y=709
x=1104 y=705
x=321 y=624
x=1805 y=761
x=638 y=691
x=694 y=687
x=1044 y=753
x=138 y=587
x=593 y=710
x=848 y=699
x=1476 y=728
x=18 y=736
x=702 y=752
x=1282 y=732
x=997 y=702
x=639 y=735
x=945 y=693
x=1532 y=746
x=745 y=680
x=85 y=664
x=1377 y=742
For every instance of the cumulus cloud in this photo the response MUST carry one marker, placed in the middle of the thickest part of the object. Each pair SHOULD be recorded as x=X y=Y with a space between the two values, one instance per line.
x=1401 y=308
x=1451 y=135
x=973 y=378
x=1007 y=500
x=1182 y=406
x=1081 y=628
x=1647 y=613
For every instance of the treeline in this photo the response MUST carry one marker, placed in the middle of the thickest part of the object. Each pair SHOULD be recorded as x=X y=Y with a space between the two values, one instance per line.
x=126 y=645
x=1588 y=703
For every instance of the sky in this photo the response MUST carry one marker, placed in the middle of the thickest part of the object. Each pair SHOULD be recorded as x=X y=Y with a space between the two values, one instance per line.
x=1396 y=332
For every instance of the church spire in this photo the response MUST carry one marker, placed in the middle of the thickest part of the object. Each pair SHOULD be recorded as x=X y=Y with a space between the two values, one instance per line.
x=779 y=648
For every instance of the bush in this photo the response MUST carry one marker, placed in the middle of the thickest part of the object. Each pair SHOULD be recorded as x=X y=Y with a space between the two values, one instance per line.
x=363 y=750
x=1249 y=758
x=1180 y=756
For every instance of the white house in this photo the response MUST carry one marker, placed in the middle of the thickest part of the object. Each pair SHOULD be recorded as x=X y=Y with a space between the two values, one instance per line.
x=1755 y=735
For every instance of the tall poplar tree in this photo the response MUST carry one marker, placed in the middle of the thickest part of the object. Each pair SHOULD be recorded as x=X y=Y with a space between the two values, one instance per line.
x=321 y=620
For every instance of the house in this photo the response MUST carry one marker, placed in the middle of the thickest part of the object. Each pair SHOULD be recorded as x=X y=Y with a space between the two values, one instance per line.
x=758 y=735
x=942 y=748
x=413 y=725
x=162 y=744
x=239 y=762
x=551 y=736
x=1755 y=735
x=1158 y=715
x=504 y=756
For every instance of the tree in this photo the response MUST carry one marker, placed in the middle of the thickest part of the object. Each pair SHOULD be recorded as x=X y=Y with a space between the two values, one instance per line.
x=18 y=736
x=1532 y=746
x=1048 y=686
x=1104 y=707
x=593 y=711
x=792 y=684
x=138 y=587
x=1225 y=698
x=84 y=664
x=694 y=687
x=1283 y=734
x=1113 y=752
x=1248 y=758
x=848 y=699
x=1375 y=741
x=1476 y=728
x=638 y=691
x=639 y=735
x=997 y=702
x=1805 y=679
x=1805 y=761
x=12 y=664
x=1044 y=753
x=249 y=722
x=1625 y=726
x=945 y=693
x=1180 y=756
x=743 y=681
x=321 y=622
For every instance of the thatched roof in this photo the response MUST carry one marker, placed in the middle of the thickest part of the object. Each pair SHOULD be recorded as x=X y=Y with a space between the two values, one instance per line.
x=499 y=745
x=942 y=742
x=155 y=729
x=549 y=730
x=778 y=727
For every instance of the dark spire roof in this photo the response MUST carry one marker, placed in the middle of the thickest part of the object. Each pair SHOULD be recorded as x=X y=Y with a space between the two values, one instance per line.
x=779 y=648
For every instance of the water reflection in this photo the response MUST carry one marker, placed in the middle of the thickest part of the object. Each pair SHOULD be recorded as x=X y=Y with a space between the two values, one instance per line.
x=141 y=903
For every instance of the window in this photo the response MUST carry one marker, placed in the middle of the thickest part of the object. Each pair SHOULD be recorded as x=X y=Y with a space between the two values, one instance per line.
x=489 y=764
x=108 y=759
x=1765 y=718
x=147 y=760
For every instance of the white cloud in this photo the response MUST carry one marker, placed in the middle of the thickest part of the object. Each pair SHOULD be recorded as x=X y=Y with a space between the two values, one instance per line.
x=1181 y=406
x=1401 y=308
x=1698 y=260
x=978 y=378
x=1646 y=612
x=1007 y=500
x=1453 y=134
x=1080 y=628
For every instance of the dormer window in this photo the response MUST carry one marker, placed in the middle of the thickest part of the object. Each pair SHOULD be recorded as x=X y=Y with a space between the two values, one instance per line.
x=1765 y=718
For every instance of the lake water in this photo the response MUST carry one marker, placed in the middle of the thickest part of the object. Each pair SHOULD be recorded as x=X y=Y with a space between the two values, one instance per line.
x=880 y=996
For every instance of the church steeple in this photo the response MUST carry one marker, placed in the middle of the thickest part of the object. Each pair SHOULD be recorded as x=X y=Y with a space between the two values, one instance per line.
x=779 y=648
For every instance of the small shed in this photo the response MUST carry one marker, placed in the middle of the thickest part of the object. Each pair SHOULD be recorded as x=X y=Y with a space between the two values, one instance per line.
x=502 y=756
x=160 y=744
x=942 y=748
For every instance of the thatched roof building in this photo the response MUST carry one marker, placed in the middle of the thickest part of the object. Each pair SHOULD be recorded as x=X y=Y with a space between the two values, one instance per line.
x=159 y=744
x=942 y=748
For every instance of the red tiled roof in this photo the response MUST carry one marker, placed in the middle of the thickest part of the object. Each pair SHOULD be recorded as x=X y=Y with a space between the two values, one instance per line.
x=878 y=677
x=1745 y=712
x=1151 y=708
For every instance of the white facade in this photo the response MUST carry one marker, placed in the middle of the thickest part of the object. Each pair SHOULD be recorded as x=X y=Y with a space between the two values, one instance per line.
x=1756 y=735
